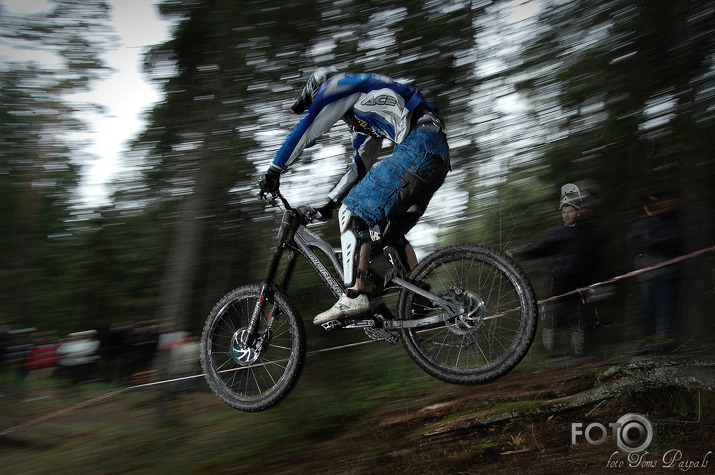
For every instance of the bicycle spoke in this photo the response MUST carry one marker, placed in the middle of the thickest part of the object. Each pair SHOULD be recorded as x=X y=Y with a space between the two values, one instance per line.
x=251 y=374
x=489 y=326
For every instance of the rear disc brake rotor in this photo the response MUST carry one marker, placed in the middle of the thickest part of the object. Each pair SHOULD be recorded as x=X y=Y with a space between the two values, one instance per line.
x=471 y=314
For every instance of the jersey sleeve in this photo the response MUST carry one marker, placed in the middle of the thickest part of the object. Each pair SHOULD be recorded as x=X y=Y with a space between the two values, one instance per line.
x=334 y=99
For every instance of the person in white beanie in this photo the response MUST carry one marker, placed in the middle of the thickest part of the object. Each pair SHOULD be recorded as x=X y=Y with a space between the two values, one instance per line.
x=573 y=250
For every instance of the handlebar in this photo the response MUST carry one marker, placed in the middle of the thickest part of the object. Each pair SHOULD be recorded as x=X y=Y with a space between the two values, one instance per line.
x=273 y=197
x=307 y=214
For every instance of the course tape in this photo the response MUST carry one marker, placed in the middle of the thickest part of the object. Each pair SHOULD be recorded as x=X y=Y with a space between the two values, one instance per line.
x=98 y=398
x=631 y=274
x=109 y=394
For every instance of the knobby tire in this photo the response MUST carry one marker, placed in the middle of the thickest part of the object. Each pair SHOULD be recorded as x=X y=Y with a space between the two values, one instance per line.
x=470 y=351
x=261 y=379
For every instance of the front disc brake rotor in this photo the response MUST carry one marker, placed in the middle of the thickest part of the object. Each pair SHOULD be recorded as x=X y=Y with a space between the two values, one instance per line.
x=241 y=353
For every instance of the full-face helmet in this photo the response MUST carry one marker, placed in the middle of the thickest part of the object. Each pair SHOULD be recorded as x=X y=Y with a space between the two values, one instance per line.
x=310 y=90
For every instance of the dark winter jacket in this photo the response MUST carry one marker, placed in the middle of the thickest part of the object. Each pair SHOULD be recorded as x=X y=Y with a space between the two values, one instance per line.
x=574 y=254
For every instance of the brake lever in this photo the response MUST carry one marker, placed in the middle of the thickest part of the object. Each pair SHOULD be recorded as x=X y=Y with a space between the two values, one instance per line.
x=270 y=197
x=308 y=214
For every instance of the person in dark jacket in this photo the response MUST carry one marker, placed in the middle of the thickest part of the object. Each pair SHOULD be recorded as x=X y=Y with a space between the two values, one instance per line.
x=573 y=250
x=652 y=240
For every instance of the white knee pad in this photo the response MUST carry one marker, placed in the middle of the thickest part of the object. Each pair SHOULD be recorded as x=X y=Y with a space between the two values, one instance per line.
x=351 y=239
x=344 y=218
x=348 y=242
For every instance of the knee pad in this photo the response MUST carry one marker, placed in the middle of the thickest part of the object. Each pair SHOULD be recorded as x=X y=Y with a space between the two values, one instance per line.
x=353 y=233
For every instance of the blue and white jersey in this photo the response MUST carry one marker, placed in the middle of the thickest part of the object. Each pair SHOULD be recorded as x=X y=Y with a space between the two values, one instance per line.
x=373 y=106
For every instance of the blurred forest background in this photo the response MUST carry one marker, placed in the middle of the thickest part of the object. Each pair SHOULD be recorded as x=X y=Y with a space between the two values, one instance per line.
x=535 y=94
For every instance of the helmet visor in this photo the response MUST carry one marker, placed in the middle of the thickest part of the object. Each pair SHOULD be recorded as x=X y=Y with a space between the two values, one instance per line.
x=302 y=103
x=311 y=88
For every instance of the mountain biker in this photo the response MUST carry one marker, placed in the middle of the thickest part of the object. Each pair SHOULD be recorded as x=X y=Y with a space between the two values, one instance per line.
x=397 y=189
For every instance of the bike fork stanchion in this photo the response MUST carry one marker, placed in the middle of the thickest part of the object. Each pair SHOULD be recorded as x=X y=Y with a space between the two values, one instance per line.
x=292 y=259
x=263 y=296
x=285 y=232
x=255 y=320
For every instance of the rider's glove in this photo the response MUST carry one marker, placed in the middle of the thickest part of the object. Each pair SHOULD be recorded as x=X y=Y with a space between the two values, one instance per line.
x=308 y=212
x=321 y=213
x=271 y=180
x=325 y=212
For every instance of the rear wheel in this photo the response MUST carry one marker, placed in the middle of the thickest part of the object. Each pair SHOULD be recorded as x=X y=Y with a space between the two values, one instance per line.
x=252 y=377
x=493 y=325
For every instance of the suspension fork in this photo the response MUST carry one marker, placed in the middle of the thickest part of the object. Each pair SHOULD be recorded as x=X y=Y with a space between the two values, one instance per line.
x=266 y=292
x=293 y=257
x=285 y=234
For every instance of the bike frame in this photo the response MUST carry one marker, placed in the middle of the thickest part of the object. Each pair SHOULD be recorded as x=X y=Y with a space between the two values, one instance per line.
x=253 y=345
x=295 y=236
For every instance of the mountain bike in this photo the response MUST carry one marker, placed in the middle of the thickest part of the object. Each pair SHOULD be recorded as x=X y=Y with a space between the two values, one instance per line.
x=466 y=314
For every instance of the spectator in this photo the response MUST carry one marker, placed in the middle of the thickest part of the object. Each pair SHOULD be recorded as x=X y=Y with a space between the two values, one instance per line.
x=43 y=355
x=652 y=240
x=17 y=347
x=78 y=356
x=142 y=345
x=184 y=362
x=116 y=352
x=574 y=252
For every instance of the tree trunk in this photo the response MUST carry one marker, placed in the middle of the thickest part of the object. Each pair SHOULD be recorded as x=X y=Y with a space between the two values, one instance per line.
x=182 y=263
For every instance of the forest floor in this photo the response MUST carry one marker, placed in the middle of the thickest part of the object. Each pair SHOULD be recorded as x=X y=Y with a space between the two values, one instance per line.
x=524 y=424
x=535 y=420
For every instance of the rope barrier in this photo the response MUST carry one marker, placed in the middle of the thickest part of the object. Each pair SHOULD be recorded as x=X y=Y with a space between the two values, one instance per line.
x=79 y=405
x=631 y=274
x=115 y=392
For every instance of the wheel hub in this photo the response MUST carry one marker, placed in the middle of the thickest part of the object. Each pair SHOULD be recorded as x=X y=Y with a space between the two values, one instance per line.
x=470 y=311
x=241 y=353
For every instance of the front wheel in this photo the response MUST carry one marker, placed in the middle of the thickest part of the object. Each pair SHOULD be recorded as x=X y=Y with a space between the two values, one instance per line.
x=493 y=321
x=252 y=376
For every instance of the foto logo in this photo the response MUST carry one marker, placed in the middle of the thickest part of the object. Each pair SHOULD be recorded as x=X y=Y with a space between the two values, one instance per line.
x=632 y=433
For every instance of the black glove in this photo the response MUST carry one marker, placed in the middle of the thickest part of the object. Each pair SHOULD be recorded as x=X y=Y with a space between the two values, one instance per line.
x=321 y=213
x=326 y=211
x=270 y=181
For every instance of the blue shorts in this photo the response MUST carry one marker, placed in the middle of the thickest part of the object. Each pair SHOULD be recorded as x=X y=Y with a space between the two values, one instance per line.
x=410 y=176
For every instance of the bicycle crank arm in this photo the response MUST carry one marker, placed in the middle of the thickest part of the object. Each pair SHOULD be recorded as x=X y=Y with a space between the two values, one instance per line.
x=359 y=324
x=347 y=325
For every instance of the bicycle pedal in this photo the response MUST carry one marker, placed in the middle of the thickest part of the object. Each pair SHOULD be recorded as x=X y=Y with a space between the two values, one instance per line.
x=331 y=325
x=382 y=335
